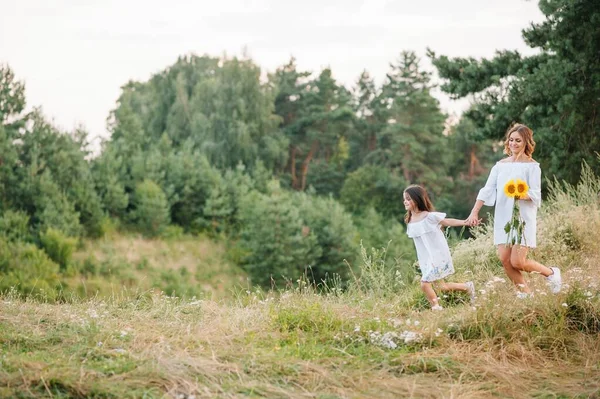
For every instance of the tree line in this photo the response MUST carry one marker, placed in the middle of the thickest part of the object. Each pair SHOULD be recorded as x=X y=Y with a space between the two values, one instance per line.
x=293 y=170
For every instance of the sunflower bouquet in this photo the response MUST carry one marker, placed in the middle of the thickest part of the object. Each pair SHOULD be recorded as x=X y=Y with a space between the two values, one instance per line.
x=515 y=228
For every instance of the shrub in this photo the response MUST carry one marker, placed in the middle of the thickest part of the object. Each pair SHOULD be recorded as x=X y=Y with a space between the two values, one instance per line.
x=151 y=214
x=59 y=247
x=28 y=269
x=275 y=242
x=14 y=226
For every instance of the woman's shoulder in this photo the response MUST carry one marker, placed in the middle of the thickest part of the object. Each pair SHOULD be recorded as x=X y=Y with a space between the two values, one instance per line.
x=509 y=160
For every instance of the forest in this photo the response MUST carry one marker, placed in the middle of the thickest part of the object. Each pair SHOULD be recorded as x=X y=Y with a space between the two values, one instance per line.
x=290 y=170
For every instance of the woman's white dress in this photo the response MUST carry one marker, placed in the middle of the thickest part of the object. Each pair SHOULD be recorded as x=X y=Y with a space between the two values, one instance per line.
x=433 y=253
x=493 y=194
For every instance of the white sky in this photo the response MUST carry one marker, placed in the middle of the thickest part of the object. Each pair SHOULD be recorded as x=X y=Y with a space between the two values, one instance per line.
x=74 y=55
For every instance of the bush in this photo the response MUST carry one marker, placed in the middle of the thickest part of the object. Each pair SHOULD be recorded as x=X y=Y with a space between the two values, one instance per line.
x=54 y=209
x=14 y=226
x=335 y=233
x=28 y=269
x=59 y=247
x=151 y=214
x=275 y=243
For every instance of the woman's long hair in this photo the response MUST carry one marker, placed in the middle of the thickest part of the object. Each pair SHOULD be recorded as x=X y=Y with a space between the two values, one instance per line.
x=420 y=198
x=527 y=136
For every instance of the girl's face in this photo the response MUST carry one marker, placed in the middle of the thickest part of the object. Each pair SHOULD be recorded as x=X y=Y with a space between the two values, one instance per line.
x=515 y=143
x=409 y=204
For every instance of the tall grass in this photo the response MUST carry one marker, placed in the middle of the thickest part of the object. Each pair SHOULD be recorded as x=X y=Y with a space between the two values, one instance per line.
x=372 y=339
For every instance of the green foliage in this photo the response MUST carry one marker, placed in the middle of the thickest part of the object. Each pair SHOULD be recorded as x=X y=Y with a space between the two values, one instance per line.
x=277 y=244
x=28 y=270
x=335 y=234
x=53 y=208
x=377 y=231
x=151 y=213
x=373 y=186
x=222 y=206
x=14 y=226
x=555 y=91
x=58 y=247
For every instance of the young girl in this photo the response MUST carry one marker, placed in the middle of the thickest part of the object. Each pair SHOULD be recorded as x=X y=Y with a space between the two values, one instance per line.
x=435 y=262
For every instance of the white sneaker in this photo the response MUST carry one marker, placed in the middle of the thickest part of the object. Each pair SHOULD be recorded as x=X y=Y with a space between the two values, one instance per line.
x=437 y=307
x=471 y=291
x=554 y=280
x=524 y=295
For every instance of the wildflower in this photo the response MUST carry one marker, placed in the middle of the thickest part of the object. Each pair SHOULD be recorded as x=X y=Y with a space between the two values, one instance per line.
x=564 y=305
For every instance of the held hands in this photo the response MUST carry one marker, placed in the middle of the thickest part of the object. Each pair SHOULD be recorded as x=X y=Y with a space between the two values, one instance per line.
x=472 y=220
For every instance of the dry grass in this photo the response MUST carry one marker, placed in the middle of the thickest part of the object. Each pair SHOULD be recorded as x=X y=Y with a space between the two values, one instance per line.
x=302 y=344
x=195 y=266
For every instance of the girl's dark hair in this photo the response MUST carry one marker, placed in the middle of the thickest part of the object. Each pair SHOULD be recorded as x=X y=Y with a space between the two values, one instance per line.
x=420 y=198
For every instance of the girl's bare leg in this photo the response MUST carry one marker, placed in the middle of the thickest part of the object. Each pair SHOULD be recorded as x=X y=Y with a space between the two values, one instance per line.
x=429 y=293
x=518 y=258
x=505 y=256
x=443 y=286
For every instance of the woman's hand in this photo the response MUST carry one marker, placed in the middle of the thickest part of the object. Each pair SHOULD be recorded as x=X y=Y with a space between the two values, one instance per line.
x=473 y=220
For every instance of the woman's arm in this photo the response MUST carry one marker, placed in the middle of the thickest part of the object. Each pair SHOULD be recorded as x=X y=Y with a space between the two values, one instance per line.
x=473 y=218
x=486 y=196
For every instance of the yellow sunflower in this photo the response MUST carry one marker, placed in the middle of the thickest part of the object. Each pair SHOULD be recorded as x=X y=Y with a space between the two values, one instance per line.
x=522 y=188
x=510 y=189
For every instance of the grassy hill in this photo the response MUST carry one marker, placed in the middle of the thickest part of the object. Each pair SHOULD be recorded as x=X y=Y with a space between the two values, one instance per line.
x=129 y=265
x=373 y=340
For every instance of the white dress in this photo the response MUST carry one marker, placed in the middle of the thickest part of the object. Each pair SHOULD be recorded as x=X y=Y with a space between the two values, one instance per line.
x=433 y=253
x=493 y=193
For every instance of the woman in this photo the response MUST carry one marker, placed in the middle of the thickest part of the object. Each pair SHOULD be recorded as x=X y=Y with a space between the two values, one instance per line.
x=519 y=164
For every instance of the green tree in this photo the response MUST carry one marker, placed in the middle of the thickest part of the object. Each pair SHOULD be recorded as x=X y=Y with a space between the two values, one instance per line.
x=316 y=114
x=413 y=138
x=151 y=213
x=556 y=91
x=276 y=244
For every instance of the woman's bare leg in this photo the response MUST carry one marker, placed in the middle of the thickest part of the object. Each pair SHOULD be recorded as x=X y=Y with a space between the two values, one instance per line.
x=518 y=259
x=504 y=254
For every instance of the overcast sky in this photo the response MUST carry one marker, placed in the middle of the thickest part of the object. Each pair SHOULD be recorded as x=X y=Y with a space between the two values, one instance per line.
x=74 y=55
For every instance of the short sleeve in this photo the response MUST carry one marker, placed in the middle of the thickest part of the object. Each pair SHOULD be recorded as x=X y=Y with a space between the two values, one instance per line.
x=535 y=184
x=435 y=218
x=488 y=193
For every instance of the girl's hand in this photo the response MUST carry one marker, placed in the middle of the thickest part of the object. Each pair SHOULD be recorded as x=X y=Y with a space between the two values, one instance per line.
x=472 y=220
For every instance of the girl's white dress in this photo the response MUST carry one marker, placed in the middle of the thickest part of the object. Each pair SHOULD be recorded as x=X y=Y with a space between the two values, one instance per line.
x=493 y=193
x=433 y=253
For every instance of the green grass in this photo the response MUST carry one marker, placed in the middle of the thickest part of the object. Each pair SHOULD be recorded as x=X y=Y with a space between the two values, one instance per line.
x=129 y=336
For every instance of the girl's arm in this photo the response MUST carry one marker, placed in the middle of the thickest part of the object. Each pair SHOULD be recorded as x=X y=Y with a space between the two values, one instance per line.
x=448 y=222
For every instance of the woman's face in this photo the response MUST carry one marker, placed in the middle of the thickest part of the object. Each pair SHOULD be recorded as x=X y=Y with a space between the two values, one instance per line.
x=516 y=143
x=409 y=204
